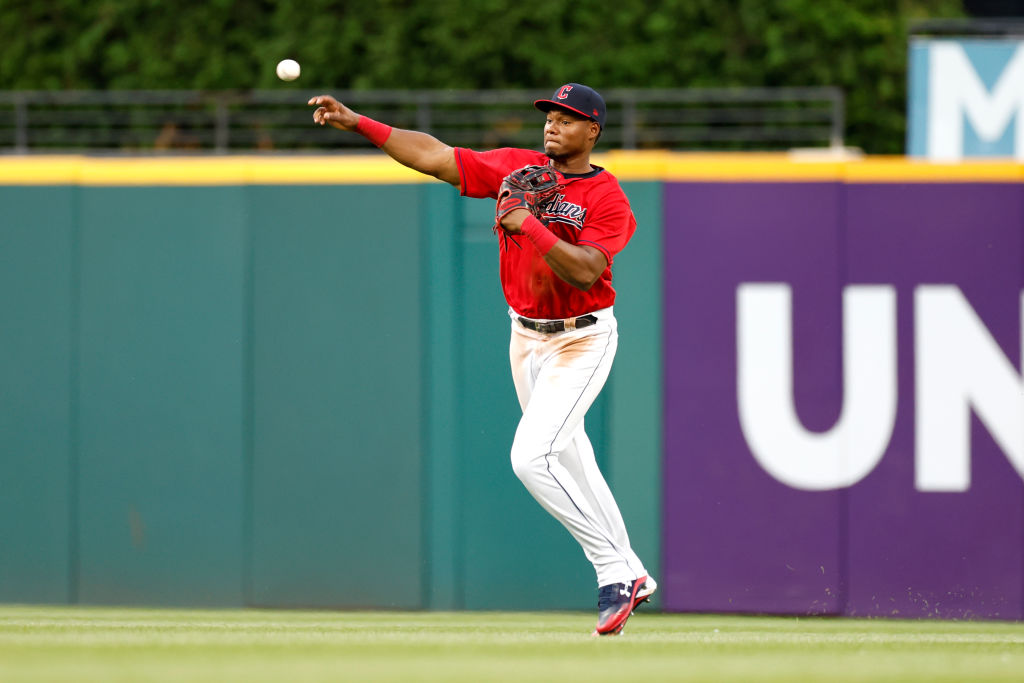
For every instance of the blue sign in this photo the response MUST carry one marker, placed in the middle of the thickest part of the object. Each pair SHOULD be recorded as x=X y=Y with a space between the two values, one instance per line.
x=966 y=99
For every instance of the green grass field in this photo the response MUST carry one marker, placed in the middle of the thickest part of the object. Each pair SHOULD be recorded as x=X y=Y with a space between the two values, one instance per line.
x=103 y=644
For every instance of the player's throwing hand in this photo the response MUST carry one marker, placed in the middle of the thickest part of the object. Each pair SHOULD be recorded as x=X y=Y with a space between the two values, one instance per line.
x=333 y=112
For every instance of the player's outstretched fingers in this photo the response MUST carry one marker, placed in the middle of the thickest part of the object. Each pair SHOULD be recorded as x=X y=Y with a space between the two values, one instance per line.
x=330 y=110
x=319 y=99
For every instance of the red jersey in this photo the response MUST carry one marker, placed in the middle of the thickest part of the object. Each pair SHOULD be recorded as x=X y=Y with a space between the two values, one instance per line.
x=591 y=210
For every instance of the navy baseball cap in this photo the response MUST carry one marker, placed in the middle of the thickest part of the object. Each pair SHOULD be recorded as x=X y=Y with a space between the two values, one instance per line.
x=578 y=99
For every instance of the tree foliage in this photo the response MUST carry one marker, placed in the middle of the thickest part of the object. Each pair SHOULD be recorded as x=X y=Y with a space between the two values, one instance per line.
x=857 y=45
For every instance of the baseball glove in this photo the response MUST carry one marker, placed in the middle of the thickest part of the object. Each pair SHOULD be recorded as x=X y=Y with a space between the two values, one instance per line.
x=528 y=188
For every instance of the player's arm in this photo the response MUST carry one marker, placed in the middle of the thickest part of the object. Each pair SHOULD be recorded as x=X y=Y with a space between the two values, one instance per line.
x=578 y=264
x=419 y=151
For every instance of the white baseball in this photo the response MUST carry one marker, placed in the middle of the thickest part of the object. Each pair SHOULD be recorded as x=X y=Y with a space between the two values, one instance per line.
x=288 y=70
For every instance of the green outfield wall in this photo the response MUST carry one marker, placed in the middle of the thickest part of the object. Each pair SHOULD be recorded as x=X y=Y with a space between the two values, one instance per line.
x=221 y=390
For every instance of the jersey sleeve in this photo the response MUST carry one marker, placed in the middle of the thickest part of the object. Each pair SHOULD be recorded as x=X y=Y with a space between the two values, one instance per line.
x=609 y=226
x=481 y=173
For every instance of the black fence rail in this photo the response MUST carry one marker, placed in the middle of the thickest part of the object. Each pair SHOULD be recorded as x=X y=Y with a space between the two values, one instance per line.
x=279 y=120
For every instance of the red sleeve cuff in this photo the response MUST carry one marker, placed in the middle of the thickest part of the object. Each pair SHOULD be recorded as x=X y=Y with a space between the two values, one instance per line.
x=462 y=171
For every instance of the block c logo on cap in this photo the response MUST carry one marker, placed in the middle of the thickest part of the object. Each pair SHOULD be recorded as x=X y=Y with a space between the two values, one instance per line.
x=564 y=92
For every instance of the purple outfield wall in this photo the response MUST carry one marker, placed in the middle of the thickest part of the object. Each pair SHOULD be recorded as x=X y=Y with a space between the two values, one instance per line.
x=888 y=487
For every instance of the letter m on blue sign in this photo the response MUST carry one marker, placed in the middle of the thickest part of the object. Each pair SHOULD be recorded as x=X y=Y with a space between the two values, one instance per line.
x=966 y=99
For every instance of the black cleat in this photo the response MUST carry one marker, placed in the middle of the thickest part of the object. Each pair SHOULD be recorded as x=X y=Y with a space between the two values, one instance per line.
x=616 y=602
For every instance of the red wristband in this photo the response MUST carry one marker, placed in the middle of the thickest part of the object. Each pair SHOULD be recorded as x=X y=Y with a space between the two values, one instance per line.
x=374 y=131
x=539 y=234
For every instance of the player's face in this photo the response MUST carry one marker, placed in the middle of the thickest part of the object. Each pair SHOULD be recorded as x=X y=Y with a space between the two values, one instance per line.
x=567 y=134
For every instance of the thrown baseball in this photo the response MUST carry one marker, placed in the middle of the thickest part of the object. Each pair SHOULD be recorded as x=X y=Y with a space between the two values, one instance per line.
x=288 y=69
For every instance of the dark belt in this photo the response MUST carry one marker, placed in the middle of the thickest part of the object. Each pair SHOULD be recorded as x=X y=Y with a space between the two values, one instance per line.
x=552 y=326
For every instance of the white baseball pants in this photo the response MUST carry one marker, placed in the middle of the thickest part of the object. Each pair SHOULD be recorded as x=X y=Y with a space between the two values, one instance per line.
x=557 y=378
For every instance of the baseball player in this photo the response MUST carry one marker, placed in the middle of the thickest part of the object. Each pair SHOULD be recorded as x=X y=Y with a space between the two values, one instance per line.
x=561 y=222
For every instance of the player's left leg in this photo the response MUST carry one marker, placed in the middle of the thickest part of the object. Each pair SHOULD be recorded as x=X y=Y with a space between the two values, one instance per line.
x=579 y=460
x=617 y=601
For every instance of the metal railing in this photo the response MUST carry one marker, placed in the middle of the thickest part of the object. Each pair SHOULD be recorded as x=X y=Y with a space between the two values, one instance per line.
x=1009 y=27
x=187 y=121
